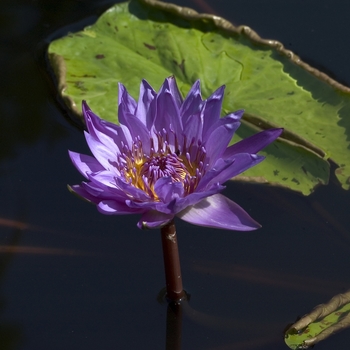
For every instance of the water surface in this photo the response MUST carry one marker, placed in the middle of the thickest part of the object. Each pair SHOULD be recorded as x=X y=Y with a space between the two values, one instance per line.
x=72 y=278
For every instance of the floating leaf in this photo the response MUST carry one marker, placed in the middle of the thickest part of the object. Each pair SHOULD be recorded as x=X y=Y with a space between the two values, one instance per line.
x=151 y=40
x=322 y=322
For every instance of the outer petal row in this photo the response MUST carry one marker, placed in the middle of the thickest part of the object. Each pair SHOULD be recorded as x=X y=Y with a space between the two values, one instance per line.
x=220 y=212
x=85 y=164
x=254 y=143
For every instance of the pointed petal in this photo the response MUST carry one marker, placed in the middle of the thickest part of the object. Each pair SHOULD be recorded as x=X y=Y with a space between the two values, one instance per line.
x=104 y=155
x=168 y=113
x=135 y=127
x=154 y=219
x=219 y=212
x=253 y=144
x=82 y=193
x=150 y=205
x=233 y=118
x=144 y=111
x=131 y=191
x=216 y=143
x=175 y=91
x=104 y=178
x=194 y=198
x=193 y=128
x=107 y=133
x=224 y=170
x=94 y=190
x=192 y=103
x=112 y=207
x=85 y=164
x=125 y=99
x=208 y=179
x=213 y=109
x=102 y=186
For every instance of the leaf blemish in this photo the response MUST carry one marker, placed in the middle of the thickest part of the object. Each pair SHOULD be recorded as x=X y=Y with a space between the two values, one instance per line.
x=100 y=56
x=150 y=47
x=276 y=172
x=181 y=65
x=83 y=76
x=295 y=181
x=80 y=85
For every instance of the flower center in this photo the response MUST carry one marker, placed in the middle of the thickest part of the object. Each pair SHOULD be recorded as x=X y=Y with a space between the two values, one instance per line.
x=143 y=170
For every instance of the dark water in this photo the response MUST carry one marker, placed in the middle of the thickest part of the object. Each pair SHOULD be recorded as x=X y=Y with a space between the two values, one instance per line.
x=76 y=279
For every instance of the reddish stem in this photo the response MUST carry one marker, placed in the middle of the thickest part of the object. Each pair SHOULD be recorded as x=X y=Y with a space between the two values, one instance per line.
x=173 y=279
x=173 y=326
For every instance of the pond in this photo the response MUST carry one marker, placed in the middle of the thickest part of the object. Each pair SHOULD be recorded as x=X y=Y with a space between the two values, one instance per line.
x=72 y=278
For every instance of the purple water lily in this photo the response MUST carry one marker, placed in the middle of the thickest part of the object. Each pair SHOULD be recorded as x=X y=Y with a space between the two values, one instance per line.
x=168 y=157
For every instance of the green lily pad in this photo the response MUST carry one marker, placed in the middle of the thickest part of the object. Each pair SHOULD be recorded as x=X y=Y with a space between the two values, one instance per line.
x=152 y=40
x=323 y=321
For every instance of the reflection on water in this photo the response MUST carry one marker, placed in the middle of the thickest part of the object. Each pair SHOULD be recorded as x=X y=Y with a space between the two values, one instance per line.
x=71 y=278
x=10 y=331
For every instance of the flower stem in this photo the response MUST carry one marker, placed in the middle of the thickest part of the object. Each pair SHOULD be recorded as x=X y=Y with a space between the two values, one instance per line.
x=173 y=326
x=173 y=279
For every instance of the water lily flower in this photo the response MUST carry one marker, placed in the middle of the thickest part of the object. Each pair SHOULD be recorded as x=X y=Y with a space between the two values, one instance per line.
x=168 y=157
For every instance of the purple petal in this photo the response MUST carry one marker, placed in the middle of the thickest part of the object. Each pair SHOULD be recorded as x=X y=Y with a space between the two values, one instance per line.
x=82 y=193
x=111 y=135
x=177 y=203
x=192 y=103
x=136 y=128
x=193 y=128
x=112 y=207
x=167 y=190
x=219 y=166
x=168 y=113
x=125 y=99
x=154 y=219
x=103 y=178
x=212 y=109
x=85 y=164
x=242 y=163
x=175 y=91
x=233 y=118
x=219 y=212
x=144 y=112
x=96 y=191
x=150 y=205
x=194 y=198
x=107 y=133
x=253 y=144
x=104 y=155
x=220 y=137
x=131 y=191
x=225 y=169
x=103 y=187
